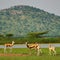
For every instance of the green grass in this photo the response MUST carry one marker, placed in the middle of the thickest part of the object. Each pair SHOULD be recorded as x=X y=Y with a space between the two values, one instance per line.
x=4 y=40
x=31 y=58
x=44 y=55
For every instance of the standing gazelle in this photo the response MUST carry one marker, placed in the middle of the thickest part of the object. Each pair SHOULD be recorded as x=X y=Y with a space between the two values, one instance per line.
x=34 y=46
x=52 y=50
x=8 y=45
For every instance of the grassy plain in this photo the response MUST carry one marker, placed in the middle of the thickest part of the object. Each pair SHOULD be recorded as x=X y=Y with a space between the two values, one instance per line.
x=25 y=51
x=43 y=56
x=4 y=40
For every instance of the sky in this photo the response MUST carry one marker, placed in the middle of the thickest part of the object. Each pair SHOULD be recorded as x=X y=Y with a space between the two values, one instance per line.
x=51 y=6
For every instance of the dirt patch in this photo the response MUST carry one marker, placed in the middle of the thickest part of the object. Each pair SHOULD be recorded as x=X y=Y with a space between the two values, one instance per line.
x=14 y=55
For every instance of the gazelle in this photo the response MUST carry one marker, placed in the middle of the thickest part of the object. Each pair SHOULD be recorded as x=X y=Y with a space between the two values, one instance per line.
x=52 y=50
x=8 y=45
x=34 y=46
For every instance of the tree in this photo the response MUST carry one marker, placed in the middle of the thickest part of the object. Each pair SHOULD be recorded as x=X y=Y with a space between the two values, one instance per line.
x=9 y=35
x=36 y=34
x=1 y=35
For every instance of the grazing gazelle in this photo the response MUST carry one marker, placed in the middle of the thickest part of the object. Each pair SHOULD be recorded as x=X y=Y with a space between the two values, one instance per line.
x=8 y=45
x=52 y=50
x=34 y=46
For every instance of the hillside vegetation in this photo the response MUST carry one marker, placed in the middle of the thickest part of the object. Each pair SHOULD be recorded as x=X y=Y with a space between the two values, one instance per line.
x=21 y=20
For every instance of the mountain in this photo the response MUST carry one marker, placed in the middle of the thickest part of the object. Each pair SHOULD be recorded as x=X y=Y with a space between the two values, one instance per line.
x=20 y=20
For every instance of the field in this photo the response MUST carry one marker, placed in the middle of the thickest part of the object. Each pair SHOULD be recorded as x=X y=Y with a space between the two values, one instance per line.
x=4 y=40
x=23 y=54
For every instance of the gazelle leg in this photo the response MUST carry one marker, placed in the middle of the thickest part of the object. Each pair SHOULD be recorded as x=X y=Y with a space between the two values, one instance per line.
x=10 y=49
x=29 y=51
x=54 y=52
x=49 y=52
x=38 y=52
x=5 y=49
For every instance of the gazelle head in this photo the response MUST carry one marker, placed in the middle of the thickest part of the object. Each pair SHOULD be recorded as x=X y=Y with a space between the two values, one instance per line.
x=26 y=43
x=13 y=42
x=50 y=45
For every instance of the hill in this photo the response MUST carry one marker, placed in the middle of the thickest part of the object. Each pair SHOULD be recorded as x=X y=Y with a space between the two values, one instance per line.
x=20 y=20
